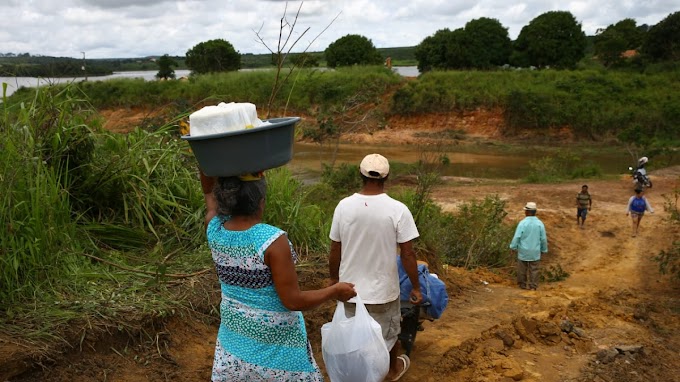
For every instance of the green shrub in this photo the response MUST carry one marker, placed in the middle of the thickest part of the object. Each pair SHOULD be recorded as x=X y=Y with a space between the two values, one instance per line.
x=561 y=166
x=554 y=273
x=287 y=207
x=301 y=91
x=473 y=236
x=669 y=260
x=344 y=179
x=38 y=154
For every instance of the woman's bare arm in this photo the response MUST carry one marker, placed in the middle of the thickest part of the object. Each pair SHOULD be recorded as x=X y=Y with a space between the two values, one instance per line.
x=279 y=259
x=207 y=184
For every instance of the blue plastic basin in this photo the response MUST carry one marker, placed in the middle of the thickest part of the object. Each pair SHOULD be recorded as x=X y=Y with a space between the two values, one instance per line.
x=245 y=151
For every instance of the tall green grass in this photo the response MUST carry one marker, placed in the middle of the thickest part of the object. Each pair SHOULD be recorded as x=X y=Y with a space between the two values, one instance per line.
x=36 y=157
x=71 y=189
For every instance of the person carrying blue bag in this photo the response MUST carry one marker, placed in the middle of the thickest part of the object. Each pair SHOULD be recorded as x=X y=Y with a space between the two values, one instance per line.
x=435 y=297
x=637 y=205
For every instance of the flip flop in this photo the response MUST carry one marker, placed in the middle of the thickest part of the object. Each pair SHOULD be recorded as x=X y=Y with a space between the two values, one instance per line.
x=407 y=363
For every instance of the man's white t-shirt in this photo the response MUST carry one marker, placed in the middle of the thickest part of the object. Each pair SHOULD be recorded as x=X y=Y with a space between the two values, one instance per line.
x=369 y=228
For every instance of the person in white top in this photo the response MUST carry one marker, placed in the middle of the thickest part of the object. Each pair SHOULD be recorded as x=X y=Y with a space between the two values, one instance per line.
x=367 y=230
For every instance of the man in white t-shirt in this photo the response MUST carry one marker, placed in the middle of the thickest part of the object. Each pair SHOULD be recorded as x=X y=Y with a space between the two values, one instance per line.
x=367 y=229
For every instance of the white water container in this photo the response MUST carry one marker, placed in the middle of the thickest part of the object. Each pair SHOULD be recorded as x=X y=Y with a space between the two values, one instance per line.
x=223 y=118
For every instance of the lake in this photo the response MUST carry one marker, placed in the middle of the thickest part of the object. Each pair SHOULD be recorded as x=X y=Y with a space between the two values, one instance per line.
x=14 y=83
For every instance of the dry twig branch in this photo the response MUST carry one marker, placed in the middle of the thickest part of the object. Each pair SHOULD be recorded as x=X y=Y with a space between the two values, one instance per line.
x=283 y=50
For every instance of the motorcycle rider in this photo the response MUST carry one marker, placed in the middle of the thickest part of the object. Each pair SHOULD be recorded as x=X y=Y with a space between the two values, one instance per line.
x=640 y=174
x=641 y=166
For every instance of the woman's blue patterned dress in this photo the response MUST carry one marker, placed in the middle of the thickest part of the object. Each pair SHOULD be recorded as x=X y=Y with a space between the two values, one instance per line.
x=259 y=339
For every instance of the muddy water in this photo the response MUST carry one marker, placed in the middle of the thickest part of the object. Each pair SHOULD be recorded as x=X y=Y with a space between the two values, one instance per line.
x=483 y=162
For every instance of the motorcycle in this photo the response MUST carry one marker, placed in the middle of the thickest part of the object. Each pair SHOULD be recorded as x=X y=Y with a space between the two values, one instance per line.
x=412 y=318
x=640 y=178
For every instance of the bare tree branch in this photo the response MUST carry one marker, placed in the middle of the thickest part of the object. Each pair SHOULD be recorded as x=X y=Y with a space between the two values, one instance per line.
x=284 y=45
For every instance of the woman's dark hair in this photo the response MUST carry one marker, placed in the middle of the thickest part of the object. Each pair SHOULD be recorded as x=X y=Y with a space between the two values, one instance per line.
x=237 y=197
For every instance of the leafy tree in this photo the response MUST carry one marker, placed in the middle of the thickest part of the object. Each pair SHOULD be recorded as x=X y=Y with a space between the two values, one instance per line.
x=482 y=44
x=554 y=38
x=352 y=49
x=457 y=52
x=488 y=43
x=213 y=56
x=165 y=70
x=611 y=42
x=431 y=52
x=305 y=60
x=663 y=39
x=446 y=49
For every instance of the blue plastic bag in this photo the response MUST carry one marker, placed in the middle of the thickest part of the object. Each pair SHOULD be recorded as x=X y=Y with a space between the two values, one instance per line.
x=435 y=297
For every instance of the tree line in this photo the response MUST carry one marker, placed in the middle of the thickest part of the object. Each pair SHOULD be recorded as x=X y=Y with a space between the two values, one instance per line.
x=553 y=39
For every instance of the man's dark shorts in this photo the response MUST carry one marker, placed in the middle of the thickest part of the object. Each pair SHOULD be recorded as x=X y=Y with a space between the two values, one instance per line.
x=581 y=213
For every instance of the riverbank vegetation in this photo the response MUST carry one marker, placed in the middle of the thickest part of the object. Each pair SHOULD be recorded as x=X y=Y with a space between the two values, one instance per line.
x=595 y=104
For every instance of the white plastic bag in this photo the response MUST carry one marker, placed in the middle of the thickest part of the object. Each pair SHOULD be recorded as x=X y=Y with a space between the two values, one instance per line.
x=353 y=349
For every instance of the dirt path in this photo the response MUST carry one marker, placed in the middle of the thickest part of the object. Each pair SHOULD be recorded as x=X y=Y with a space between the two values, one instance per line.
x=491 y=331
x=612 y=288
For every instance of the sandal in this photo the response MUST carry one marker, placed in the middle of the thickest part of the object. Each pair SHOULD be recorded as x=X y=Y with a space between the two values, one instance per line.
x=407 y=363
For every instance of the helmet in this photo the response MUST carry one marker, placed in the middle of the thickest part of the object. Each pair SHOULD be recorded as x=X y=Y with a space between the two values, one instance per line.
x=642 y=160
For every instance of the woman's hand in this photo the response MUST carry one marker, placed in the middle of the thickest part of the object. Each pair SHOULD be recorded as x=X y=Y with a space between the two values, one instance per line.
x=344 y=291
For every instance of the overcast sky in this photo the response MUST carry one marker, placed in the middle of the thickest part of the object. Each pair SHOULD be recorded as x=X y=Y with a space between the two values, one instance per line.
x=139 y=28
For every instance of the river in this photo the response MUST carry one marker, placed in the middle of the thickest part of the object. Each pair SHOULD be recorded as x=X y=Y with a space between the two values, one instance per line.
x=14 y=83
x=476 y=162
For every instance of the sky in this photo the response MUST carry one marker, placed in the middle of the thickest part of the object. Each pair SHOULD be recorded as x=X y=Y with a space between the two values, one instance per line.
x=141 y=28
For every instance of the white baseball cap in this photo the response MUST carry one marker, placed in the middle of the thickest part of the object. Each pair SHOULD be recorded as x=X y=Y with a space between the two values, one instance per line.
x=531 y=206
x=374 y=166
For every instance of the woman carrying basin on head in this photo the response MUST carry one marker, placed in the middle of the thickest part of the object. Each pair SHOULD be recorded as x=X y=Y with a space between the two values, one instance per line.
x=262 y=334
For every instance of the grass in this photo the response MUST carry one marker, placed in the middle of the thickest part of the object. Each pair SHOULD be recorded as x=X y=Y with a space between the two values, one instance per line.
x=94 y=224
x=305 y=89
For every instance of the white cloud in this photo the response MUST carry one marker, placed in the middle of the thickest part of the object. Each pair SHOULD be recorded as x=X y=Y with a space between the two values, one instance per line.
x=136 y=28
